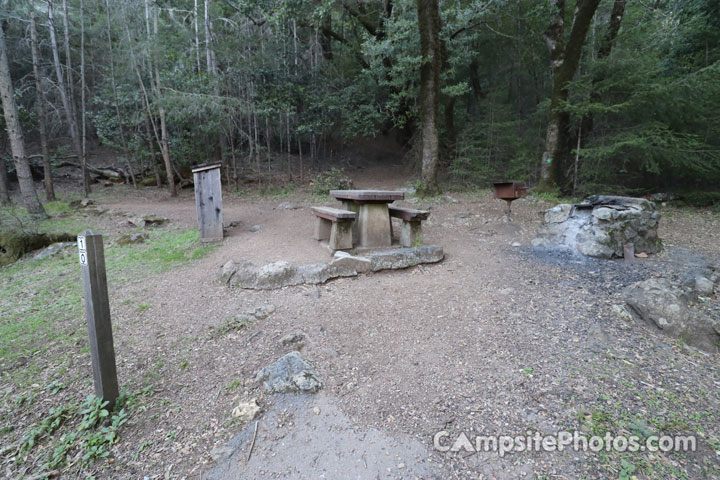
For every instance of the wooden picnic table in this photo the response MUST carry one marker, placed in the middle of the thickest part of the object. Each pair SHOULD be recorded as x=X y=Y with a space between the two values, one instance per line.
x=372 y=226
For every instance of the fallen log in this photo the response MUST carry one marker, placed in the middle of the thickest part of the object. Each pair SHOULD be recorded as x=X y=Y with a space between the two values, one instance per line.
x=110 y=173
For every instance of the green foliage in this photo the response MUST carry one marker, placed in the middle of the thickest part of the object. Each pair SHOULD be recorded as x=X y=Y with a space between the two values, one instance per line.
x=332 y=179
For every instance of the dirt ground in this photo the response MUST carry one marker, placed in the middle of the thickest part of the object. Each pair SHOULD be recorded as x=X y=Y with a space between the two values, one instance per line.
x=497 y=339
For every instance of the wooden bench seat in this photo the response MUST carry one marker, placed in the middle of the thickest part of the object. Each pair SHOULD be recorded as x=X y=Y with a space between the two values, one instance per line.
x=335 y=226
x=411 y=225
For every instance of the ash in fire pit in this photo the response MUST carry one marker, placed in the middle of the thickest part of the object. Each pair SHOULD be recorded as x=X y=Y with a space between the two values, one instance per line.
x=601 y=225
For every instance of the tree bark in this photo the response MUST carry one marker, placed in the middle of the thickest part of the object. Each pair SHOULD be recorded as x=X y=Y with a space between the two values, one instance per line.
x=83 y=119
x=17 y=142
x=40 y=106
x=67 y=107
x=153 y=157
x=429 y=26
x=4 y=183
x=564 y=62
x=164 y=146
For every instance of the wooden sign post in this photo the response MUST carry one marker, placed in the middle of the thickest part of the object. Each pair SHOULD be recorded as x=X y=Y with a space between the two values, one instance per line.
x=208 y=202
x=97 y=308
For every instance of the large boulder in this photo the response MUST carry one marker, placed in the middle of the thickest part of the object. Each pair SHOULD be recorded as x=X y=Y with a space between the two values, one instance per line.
x=664 y=307
x=291 y=373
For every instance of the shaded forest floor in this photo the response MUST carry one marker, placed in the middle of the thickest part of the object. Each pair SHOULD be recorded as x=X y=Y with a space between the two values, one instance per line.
x=497 y=339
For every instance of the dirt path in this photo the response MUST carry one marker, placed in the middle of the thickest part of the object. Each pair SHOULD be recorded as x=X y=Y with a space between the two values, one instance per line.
x=496 y=339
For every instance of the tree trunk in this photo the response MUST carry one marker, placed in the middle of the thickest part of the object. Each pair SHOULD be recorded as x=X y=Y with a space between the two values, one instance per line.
x=564 y=60
x=68 y=61
x=153 y=157
x=164 y=146
x=67 y=107
x=40 y=105
x=4 y=183
x=17 y=143
x=429 y=26
x=197 y=37
x=83 y=119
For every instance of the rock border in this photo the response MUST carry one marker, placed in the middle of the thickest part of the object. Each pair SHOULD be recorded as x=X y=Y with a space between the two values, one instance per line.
x=245 y=274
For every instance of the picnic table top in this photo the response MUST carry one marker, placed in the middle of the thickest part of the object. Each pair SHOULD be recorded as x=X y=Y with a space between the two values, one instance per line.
x=368 y=195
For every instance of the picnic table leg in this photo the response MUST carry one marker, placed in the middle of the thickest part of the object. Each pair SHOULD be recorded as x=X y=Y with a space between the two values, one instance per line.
x=341 y=235
x=410 y=233
x=353 y=207
x=374 y=221
x=322 y=228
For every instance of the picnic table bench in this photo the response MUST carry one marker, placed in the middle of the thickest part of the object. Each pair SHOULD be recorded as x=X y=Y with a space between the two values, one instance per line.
x=335 y=226
x=411 y=223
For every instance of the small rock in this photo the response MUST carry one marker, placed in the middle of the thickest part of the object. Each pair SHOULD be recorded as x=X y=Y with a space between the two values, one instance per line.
x=247 y=411
x=255 y=228
x=516 y=244
x=622 y=312
x=147 y=221
x=641 y=255
x=130 y=238
x=704 y=286
x=290 y=338
x=316 y=411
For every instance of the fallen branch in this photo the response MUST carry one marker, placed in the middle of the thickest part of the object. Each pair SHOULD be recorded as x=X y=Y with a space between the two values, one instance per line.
x=253 y=441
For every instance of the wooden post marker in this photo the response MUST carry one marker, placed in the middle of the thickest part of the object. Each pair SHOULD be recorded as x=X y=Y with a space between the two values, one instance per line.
x=97 y=308
x=208 y=202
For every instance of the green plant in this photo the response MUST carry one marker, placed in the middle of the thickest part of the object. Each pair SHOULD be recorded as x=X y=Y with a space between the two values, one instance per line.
x=332 y=179
x=627 y=470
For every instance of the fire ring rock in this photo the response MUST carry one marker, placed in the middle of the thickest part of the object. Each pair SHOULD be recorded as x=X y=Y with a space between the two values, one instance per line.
x=601 y=225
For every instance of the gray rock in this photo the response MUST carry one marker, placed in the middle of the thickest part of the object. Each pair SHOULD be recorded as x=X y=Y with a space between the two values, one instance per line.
x=255 y=228
x=275 y=275
x=290 y=338
x=704 y=286
x=558 y=214
x=343 y=261
x=52 y=249
x=287 y=206
x=662 y=306
x=147 y=220
x=131 y=238
x=239 y=274
x=405 y=257
x=291 y=373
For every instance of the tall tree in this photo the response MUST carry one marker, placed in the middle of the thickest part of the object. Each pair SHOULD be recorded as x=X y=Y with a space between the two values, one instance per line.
x=164 y=144
x=14 y=130
x=67 y=105
x=431 y=51
x=564 y=60
x=40 y=106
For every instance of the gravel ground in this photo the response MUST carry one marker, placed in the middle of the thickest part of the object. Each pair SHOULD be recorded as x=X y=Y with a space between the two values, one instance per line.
x=495 y=340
